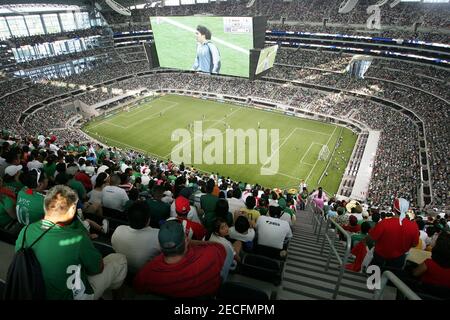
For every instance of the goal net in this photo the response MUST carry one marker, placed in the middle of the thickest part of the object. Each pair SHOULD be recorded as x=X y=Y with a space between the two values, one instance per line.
x=324 y=153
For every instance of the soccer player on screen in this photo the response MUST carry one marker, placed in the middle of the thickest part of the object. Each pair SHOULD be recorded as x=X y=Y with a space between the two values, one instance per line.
x=208 y=56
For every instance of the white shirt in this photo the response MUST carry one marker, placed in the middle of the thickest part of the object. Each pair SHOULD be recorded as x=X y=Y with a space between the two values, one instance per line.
x=286 y=217
x=223 y=241
x=35 y=164
x=114 y=197
x=249 y=236
x=235 y=204
x=272 y=232
x=139 y=246
x=95 y=196
x=123 y=167
x=423 y=236
x=145 y=179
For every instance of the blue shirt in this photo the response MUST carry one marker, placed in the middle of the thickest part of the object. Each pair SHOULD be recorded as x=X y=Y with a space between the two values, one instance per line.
x=207 y=59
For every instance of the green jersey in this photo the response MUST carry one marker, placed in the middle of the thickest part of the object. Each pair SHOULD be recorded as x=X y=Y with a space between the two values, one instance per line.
x=30 y=206
x=50 y=170
x=67 y=256
x=78 y=187
x=208 y=202
x=6 y=203
x=14 y=186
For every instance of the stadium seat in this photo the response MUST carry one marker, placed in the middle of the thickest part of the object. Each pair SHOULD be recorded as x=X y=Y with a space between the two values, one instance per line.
x=115 y=218
x=261 y=267
x=269 y=252
x=104 y=248
x=240 y=291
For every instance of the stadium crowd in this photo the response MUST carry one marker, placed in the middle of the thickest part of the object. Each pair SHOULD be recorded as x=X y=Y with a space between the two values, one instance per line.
x=397 y=161
x=158 y=214
x=432 y=18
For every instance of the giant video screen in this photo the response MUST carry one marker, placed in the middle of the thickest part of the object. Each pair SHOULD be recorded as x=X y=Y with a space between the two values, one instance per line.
x=216 y=45
x=266 y=59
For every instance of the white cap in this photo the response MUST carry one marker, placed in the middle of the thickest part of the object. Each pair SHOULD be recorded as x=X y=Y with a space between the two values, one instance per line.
x=168 y=193
x=102 y=169
x=12 y=170
x=90 y=170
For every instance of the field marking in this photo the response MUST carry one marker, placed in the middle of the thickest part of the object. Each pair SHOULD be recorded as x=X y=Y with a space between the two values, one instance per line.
x=279 y=147
x=315 y=164
x=215 y=122
x=151 y=105
x=109 y=119
x=190 y=29
x=152 y=116
x=306 y=152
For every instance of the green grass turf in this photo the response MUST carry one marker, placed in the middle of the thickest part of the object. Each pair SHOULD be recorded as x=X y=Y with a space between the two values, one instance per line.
x=149 y=126
x=177 y=47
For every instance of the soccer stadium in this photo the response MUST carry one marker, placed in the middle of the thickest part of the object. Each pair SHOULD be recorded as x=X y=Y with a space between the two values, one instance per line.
x=258 y=150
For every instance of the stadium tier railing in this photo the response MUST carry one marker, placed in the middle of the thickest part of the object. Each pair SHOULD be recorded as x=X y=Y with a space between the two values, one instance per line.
x=318 y=221
x=399 y=284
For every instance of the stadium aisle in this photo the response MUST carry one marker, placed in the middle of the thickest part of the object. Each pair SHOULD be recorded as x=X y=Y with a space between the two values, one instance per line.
x=304 y=275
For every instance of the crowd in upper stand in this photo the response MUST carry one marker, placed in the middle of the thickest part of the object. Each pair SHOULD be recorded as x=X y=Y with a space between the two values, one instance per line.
x=433 y=17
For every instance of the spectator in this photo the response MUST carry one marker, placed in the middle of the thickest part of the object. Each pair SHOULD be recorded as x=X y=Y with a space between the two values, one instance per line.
x=363 y=234
x=249 y=210
x=159 y=210
x=138 y=241
x=235 y=203
x=319 y=197
x=220 y=234
x=11 y=179
x=208 y=201
x=436 y=271
x=7 y=209
x=194 y=230
x=30 y=200
x=221 y=211
x=186 y=268
x=192 y=214
x=353 y=226
x=273 y=232
x=114 y=197
x=241 y=231
x=394 y=237
x=75 y=270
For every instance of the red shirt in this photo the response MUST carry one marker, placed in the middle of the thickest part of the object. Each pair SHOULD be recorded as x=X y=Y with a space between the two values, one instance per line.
x=351 y=228
x=197 y=274
x=84 y=179
x=392 y=239
x=436 y=274
x=194 y=230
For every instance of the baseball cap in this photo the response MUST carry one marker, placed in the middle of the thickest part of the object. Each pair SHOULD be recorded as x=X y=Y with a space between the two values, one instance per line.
x=171 y=236
x=102 y=169
x=186 y=192
x=90 y=170
x=182 y=205
x=12 y=170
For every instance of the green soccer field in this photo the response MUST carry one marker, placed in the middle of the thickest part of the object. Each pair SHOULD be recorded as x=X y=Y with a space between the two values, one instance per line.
x=176 y=43
x=148 y=128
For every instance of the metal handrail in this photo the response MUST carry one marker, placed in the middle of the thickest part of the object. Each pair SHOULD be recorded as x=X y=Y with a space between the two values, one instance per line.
x=331 y=242
x=399 y=284
x=318 y=218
